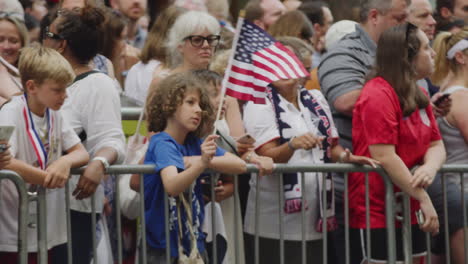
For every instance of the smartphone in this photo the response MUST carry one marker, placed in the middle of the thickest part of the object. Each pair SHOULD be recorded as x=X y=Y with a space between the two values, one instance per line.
x=246 y=139
x=6 y=132
x=420 y=217
x=441 y=99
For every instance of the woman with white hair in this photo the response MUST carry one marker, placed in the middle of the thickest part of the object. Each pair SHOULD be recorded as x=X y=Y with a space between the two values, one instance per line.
x=191 y=44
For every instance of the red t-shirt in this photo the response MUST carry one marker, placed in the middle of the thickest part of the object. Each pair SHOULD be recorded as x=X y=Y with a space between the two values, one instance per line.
x=378 y=119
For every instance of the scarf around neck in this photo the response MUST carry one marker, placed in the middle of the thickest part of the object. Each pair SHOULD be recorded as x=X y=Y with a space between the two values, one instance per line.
x=292 y=186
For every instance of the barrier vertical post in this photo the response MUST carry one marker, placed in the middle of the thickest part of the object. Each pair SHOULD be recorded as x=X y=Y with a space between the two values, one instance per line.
x=406 y=229
x=303 y=220
x=346 y=215
x=68 y=216
x=41 y=225
x=93 y=227
x=257 y=220
x=118 y=221
x=446 y=228
x=390 y=217
x=143 y=220
x=368 y=236
x=324 y=210
x=280 y=215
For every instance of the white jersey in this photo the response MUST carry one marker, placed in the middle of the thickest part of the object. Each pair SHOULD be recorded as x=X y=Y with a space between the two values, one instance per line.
x=93 y=107
x=62 y=138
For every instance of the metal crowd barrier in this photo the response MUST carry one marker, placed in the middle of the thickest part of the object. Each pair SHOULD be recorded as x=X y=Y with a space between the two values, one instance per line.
x=22 y=212
x=280 y=168
x=132 y=113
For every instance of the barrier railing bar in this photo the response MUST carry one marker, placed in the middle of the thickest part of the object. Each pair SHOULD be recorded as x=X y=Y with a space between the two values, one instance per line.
x=143 y=221
x=23 y=214
x=406 y=229
x=368 y=236
x=325 y=218
x=68 y=219
x=118 y=219
x=280 y=214
x=257 y=220
x=346 y=215
x=41 y=225
x=446 y=229
x=303 y=220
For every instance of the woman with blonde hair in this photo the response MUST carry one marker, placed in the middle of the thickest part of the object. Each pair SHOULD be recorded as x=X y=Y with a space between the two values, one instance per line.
x=452 y=61
x=13 y=37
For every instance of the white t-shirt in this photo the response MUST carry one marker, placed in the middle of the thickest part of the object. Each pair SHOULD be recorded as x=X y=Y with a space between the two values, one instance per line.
x=260 y=122
x=63 y=138
x=93 y=106
x=139 y=80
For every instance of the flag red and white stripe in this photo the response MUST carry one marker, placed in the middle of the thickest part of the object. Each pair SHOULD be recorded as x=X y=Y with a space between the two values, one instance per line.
x=258 y=60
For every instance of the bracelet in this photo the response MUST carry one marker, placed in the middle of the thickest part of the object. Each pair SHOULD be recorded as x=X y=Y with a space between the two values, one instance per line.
x=342 y=157
x=290 y=143
x=249 y=156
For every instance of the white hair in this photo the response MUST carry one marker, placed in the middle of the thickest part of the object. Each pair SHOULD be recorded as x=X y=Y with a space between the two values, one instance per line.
x=188 y=24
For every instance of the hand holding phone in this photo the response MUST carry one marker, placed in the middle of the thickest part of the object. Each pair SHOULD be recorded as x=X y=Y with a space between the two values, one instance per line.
x=441 y=99
x=5 y=134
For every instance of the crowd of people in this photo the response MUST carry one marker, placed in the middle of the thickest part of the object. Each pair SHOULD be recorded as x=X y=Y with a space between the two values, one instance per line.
x=385 y=90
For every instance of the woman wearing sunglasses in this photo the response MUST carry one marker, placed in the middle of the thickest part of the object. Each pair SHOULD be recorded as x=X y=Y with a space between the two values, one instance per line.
x=13 y=36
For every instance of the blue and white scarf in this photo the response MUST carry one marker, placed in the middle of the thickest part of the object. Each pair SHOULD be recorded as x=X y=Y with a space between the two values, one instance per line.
x=291 y=181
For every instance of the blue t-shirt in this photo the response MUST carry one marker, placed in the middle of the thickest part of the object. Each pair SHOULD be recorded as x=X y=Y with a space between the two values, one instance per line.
x=164 y=151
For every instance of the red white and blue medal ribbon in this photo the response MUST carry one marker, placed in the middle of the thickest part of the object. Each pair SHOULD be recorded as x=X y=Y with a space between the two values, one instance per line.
x=33 y=136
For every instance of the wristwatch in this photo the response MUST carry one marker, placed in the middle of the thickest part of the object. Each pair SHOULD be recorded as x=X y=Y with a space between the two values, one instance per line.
x=103 y=160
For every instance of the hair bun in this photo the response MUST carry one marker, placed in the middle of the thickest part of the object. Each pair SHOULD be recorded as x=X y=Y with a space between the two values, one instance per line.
x=92 y=16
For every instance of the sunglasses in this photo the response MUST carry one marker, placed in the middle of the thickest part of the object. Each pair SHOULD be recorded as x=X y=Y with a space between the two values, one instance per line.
x=197 y=40
x=52 y=35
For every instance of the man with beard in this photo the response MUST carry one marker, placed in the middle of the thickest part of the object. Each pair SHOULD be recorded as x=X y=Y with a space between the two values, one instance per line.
x=133 y=10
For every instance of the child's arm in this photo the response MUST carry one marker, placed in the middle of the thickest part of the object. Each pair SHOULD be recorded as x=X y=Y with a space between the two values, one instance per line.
x=228 y=163
x=59 y=170
x=175 y=182
x=29 y=173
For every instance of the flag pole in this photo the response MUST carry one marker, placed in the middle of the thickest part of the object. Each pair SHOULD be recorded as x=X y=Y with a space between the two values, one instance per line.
x=240 y=21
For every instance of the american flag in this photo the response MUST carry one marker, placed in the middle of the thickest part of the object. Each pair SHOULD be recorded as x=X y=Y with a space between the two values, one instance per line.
x=259 y=60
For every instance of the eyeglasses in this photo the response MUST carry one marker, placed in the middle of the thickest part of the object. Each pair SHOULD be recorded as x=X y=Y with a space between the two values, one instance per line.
x=14 y=15
x=197 y=40
x=52 y=35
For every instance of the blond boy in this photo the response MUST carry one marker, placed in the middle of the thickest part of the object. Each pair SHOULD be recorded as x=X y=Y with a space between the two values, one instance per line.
x=43 y=147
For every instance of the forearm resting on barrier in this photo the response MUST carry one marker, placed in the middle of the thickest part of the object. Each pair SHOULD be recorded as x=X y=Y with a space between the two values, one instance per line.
x=401 y=177
x=94 y=173
x=30 y=174
x=228 y=163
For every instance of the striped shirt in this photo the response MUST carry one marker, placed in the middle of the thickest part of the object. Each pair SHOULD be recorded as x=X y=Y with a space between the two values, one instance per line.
x=343 y=69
